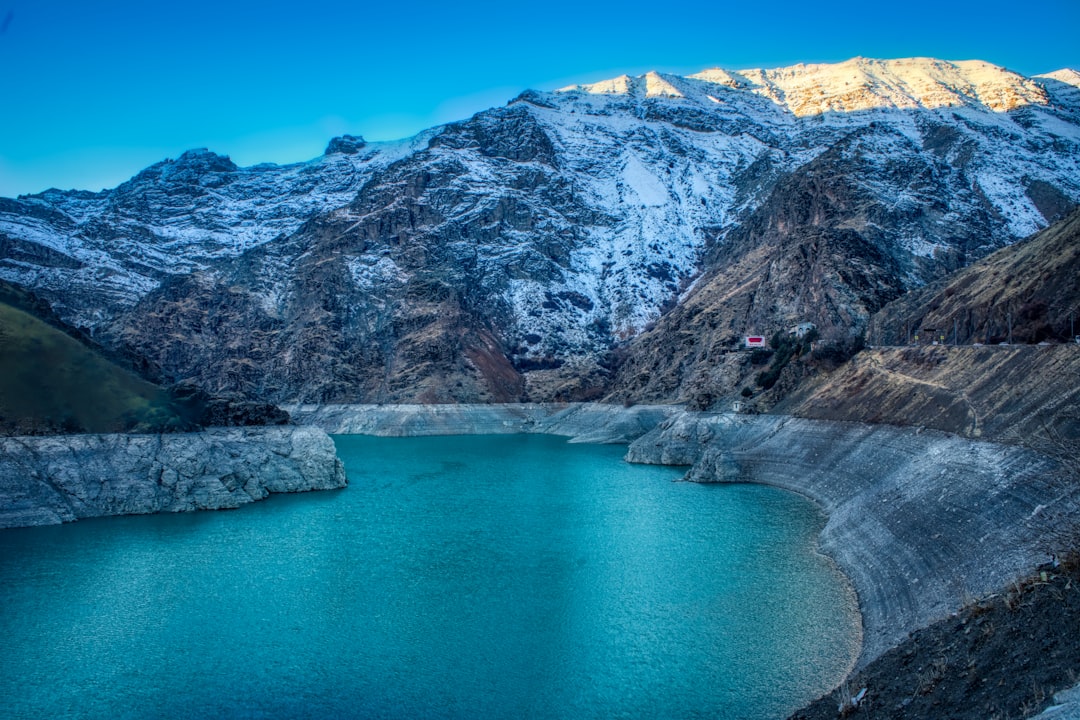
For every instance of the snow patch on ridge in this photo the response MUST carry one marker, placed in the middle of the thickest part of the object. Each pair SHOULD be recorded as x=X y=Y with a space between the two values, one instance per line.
x=369 y=271
x=643 y=184
x=657 y=86
x=862 y=84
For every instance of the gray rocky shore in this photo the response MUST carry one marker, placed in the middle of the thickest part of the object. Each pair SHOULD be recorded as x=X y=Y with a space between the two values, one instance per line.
x=60 y=478
x=922 y=522
x=581 y=422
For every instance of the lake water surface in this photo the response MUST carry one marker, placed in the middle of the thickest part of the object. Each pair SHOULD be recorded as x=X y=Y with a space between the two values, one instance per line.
x=456 y=577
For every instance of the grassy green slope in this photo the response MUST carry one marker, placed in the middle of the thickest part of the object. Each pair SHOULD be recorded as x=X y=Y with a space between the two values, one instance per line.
x=50 y=382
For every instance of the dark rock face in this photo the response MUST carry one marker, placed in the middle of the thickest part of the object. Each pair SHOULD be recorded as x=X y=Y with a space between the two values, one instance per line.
x=525 y=253
x=1007 y=655
x=226 y=411
x=92 y=256
x=346 y=144
x=1051 y=202
x=511 y=133
x=823 y=249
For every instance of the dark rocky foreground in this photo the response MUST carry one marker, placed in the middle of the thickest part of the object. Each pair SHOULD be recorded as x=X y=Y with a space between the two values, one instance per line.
x=1004 y=656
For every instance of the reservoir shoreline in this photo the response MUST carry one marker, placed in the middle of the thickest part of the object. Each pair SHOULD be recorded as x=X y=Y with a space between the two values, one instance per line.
x=920 y=522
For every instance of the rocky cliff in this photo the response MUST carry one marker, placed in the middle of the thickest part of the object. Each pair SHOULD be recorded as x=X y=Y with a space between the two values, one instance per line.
x=986 y=352
x=1021 y=296
x=511 y=256
x=49 y=480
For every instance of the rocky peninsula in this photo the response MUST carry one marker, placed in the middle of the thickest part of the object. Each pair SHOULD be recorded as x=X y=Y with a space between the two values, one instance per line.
x=60 y=478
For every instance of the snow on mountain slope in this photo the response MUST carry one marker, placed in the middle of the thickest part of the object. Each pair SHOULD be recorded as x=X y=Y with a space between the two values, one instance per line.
x=545 y=231
x=1011 y=121
x=1063 y=87
x=658 y=190
x=858 y=84
x=175 y=217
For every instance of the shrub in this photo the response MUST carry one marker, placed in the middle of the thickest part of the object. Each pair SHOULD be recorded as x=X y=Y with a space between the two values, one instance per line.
x=839 y=351
x=768 y=378
x=760 y=356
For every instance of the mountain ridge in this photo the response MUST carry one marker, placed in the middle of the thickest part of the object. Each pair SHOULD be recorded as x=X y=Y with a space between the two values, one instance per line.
x=519 y=254
x=806 y=90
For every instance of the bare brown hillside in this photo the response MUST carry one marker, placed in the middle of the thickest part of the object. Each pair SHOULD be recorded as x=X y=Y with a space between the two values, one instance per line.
x=1025 y=293
x=985 y=377
x=995 y=392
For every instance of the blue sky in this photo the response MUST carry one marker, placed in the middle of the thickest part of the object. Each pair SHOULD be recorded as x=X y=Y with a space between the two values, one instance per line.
x=92 y=92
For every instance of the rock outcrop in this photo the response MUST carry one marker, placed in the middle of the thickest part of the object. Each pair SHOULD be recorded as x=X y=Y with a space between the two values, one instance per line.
x=920 y=521
x=54 y=479
x=1025 y=293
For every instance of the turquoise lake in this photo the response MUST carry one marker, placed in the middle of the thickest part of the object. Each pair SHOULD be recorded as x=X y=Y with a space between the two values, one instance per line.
x=456 y=577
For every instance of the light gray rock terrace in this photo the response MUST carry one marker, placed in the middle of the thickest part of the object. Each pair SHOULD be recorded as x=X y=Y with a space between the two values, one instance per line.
x=920 y=521
x=582 y=422
x=54 y=479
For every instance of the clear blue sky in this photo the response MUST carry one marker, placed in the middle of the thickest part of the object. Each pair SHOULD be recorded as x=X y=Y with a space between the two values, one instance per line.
x=93 y=91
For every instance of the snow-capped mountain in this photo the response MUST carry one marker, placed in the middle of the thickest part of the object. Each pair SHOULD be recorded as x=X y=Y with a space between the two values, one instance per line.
x=505 y=256
x=173 y=218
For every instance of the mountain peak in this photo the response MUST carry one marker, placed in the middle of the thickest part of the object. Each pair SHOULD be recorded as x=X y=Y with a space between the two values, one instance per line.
x=346 y=145
x=657 y=86
x=853 y=85
x=866 y=83
x=204 y=160
x=1065 y=75
x=621 y=85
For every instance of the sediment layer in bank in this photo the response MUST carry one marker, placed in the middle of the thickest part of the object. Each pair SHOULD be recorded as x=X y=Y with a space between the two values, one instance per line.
x=581 y=422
